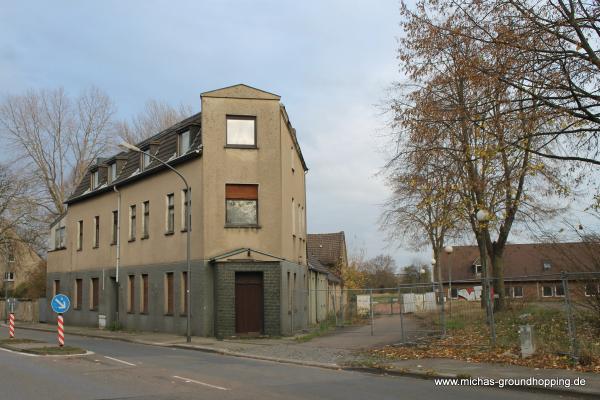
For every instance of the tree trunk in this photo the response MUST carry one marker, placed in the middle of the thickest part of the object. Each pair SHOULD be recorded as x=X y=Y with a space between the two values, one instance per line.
x=498 y=274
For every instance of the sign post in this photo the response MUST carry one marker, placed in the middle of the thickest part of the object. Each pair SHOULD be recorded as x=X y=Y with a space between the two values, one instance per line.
x=60 y=305
x=11 y=326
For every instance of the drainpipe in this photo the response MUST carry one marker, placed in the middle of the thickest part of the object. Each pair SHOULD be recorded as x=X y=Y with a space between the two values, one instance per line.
x=118 y=249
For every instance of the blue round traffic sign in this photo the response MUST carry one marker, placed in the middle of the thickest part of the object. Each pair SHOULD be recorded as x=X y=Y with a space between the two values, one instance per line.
x=60 y=303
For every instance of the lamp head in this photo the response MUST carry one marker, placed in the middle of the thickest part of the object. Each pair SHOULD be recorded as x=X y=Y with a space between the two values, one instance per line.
x=128 y=146
x=482 y=215
x=448 y=249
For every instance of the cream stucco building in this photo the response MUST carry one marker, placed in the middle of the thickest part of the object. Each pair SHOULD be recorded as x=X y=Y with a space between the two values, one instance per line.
x=246 y=172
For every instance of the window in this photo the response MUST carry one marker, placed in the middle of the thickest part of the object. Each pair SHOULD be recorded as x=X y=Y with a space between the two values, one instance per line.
x=78 y=294
x=547 y=291
x=170 y=213
x=9 y=277
x=454 y=293
x=132 y=222
x=95 y=294
x=547 y=265
x=241 y=203
x=184 y=286
x=56 y=288
x=59 y=237
x=144 y=305
x=184 y=208
x=131 y=291
x=96 y=231
x=115 y=226
x=169 y=293
x=145 y=158
x=112 y=172
x=94 y=179
x=507 y=291
x=184 y=142
x=477 y=269
x=241 y=131
x=292 y=158
x=10 y=249
x=293 y=217
x=591 y=289
x=79 y=235
x=146 y=221
x=559 y=290
x=518 y=291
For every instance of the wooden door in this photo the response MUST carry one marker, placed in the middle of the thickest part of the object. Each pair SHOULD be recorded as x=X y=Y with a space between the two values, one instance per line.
x=249 y=302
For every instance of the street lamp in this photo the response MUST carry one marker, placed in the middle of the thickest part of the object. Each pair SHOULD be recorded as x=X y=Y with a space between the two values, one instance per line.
x=483 y=217
x=188 y=219
x=441 y=294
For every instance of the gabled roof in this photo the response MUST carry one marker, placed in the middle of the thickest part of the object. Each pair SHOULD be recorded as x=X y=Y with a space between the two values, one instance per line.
x=241 y=91
x=522 y=260
x=130 y=171
x=328 y=248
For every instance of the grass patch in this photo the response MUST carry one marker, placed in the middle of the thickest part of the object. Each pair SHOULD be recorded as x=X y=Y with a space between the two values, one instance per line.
x=54 y=350
x=324 y=328
x=17 y=341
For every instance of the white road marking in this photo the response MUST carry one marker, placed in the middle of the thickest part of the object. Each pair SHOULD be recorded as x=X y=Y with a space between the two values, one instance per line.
x=188 y=380
x=121 y=361
x=19 y=352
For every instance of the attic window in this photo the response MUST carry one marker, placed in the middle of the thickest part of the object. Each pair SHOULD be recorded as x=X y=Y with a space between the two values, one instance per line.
x=184 y=142
x=112 y=172
x=94 y=179
x=477 y=269
x=146 y=160
x=241 y=131
x=547 y=265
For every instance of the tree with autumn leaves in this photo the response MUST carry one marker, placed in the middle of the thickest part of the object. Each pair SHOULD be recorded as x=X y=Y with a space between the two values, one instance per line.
x=467 y=136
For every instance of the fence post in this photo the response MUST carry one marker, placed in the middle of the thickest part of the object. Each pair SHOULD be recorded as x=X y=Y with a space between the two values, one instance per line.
x=334 y=308
x=371 y=308
x=400 y=304
x=342 y=306
x=570 y=322
x=442 y=310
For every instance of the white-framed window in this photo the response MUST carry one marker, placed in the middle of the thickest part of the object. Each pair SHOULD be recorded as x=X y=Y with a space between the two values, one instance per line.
x=592 y=289
x=59 y=237
x=146 y=220
x=9 y=276
x=517 y=291
x=477 y=269
x=132 y=222
x=112 y=172
x=241 y=131
x=96 y=242
x=145 y=158
x=547 y=265
x=547 y=291
x=184 y=142
x=94 y=179
x=454 y=293
x=559 y=290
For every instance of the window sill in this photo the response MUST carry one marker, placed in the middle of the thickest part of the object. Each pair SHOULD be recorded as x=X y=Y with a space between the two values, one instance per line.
x=248 y=226
x=79 y=249
x=94 y=309
x=57 y=249
x=169 y=233
x=183 y=230
x=241 y=146
x=145 y=237
x=95 y=247
x=131 y=240
x=113 y=243
x=168 y=314
x=143 y=313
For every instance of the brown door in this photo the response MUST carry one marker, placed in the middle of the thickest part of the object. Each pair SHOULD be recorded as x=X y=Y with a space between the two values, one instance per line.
x=248 y=302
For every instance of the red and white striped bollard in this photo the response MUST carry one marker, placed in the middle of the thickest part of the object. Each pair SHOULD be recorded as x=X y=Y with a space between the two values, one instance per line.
x=61 y=331
x=11 y=325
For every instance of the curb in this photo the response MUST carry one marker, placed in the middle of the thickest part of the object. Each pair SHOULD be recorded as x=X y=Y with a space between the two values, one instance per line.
x=426 y=375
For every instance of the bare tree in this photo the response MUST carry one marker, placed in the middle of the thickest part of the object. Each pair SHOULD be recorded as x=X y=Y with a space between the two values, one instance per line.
x=156 y=117
x=55 y=138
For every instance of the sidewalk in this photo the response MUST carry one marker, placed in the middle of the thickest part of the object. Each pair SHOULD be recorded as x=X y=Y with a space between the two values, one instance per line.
x=342 y=350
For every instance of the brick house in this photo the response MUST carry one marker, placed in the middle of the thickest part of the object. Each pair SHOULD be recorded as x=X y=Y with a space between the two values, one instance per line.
x=120 y=249
x=531 y=271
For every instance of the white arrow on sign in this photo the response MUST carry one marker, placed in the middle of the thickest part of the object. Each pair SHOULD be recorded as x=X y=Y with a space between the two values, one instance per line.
x=60 y=303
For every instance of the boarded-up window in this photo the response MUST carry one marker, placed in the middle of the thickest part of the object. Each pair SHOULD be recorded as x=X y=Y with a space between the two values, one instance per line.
x=96 y=231
x=241 y=203
x=131 y=298
x=132 y=222
x=56 y=287
x=170 y=213
x=95 y=294
x=169 y=293
x=144 y=305
x=79 y=235
x=78 y=293
x=241 y=131
x=115 y=226
x=146 y=221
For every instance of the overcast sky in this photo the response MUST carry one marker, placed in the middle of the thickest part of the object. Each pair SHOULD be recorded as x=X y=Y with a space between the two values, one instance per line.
x=330 y=61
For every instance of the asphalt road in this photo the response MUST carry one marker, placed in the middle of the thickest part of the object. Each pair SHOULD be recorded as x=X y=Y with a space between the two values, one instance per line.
x=120 y=370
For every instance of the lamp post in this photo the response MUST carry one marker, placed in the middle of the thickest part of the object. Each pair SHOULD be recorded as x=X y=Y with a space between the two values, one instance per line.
x=483 y=217
x=188 y=219
x=448 y=250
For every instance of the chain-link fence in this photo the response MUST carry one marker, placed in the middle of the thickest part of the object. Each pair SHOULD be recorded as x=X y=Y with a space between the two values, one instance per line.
x=558 y=314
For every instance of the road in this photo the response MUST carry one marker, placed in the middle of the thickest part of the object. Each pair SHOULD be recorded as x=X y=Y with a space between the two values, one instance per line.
x=121 y=370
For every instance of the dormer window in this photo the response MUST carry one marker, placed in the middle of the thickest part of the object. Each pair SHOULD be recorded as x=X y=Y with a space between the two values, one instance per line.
x=184 y=142
x=112 y=172
x=241 y=131
x=547 y=265
x=146 y=159
x=477 y=269
x=94 y=179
